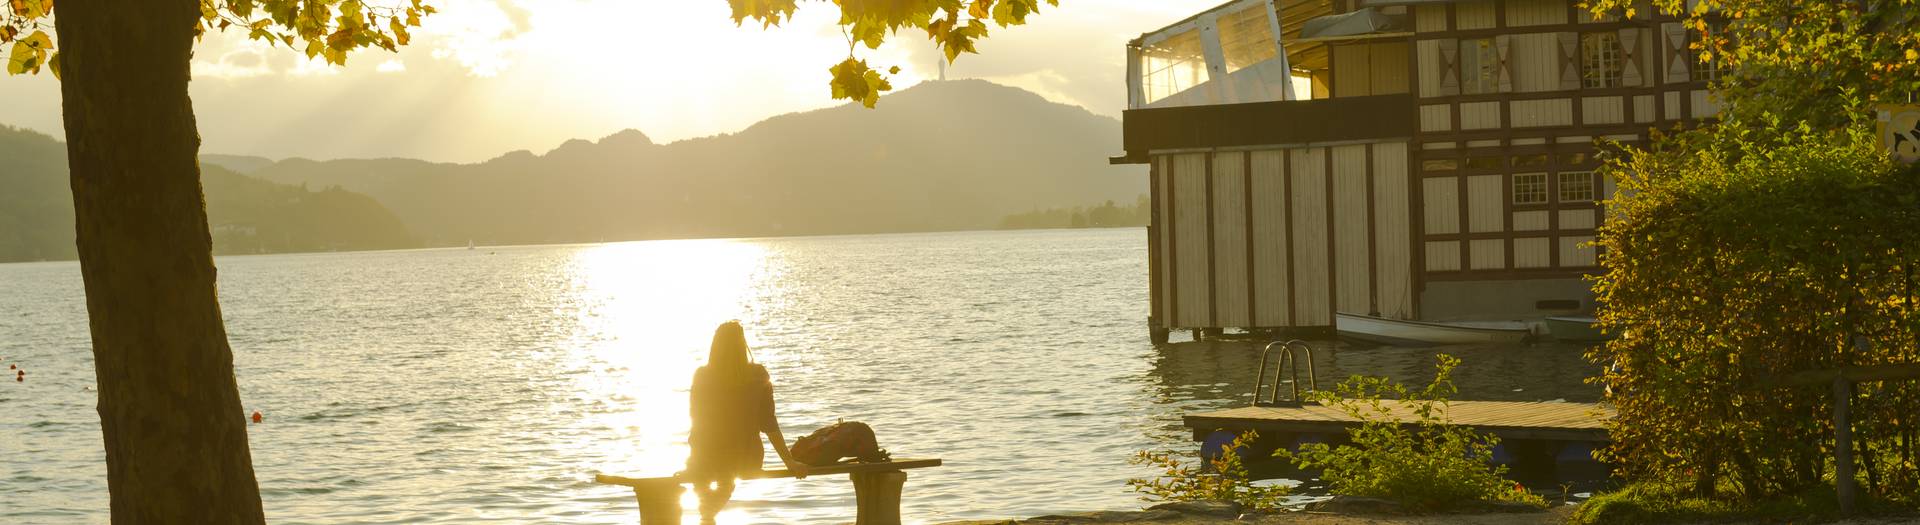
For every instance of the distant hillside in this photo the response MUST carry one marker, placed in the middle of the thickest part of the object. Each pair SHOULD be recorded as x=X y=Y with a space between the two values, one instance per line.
x=246 y=214
x=939 y=156
x=1107 y=215
x=242 y=164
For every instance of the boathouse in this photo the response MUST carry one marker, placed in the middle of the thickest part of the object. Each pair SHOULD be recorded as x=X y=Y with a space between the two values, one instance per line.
x=1401 y=159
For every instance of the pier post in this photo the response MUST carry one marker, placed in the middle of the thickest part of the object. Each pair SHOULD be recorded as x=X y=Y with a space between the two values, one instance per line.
x=659 y=502
x=878 y=497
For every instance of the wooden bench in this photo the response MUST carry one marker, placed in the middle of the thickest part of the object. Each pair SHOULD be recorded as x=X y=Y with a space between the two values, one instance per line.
x=876 y=489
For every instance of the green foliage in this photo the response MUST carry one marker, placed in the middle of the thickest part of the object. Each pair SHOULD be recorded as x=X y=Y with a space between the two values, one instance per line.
x=1227 y=480
x=1426 y=464
x=1106 y=215
x=1652 y=503
x=327 y=29
x=1819 y=62
x=954 y=25
x=1735 y=257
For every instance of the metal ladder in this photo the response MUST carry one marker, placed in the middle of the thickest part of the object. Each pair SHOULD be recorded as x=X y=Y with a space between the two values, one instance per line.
x=1289 y=364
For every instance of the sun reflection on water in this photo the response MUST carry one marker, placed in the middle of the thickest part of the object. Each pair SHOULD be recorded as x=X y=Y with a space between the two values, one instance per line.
x=645 y=315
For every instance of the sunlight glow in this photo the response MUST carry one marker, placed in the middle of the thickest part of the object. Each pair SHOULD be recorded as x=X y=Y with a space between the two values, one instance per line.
x=648 y=314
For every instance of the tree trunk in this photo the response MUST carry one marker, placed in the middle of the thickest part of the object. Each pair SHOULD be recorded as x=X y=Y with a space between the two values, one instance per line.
x=169 y=408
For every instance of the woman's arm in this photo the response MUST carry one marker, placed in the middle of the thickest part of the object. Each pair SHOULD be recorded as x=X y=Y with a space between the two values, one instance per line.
x=780 y=447
x=770 y=424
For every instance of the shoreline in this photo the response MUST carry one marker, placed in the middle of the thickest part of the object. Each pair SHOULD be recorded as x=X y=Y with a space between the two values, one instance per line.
x=1215 y=514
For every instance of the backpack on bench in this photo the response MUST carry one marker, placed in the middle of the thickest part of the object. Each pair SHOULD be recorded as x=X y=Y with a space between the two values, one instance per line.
x=846 y=439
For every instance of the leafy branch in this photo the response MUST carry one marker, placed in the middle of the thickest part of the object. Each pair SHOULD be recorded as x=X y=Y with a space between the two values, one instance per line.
x=954 y=25
x=328 y=28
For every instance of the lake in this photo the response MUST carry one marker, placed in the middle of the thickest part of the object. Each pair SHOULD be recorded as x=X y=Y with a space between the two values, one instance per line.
x=461 y=385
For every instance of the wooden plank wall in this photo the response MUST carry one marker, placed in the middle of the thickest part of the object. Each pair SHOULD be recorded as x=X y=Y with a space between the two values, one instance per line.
x=1486 y=197
x=1353 y=73
x=1442 y=204
x=1536 y=62
x=1230 y=278
x=1393 y=231
x=1284 y=237
x=1477 y=14
x=1536 y=12
x=1353 y=244
x=1313 y=285
x=1190 y=283
x=1163 y=212
x=1531 y=252
x=1429 y=17
x=1271 y=239
x=1388 y=72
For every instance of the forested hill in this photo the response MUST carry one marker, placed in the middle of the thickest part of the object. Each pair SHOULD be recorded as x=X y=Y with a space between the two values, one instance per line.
x=939 y=156
x=246 y=214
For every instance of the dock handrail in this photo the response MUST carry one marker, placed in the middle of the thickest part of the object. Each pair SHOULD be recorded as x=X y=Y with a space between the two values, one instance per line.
x=1289 y=364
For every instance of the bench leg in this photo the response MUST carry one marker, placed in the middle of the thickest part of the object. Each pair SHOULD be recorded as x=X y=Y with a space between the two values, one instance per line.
x=659 y=503
x=878 y=494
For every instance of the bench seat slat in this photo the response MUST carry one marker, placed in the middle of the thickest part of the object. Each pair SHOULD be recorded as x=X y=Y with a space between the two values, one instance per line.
x=844 y=468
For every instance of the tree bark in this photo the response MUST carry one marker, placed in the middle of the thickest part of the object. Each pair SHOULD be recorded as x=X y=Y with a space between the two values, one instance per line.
x=176 y=440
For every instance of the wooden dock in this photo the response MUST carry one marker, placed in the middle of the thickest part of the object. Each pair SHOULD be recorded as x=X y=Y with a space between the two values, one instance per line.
x=1510 y=420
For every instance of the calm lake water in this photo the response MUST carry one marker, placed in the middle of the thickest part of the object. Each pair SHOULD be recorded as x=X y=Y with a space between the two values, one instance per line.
x=489 y=385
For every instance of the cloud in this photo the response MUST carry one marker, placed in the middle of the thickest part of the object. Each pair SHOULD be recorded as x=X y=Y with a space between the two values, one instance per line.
x=1072 y=54
x=489 y=76
x=238 y=63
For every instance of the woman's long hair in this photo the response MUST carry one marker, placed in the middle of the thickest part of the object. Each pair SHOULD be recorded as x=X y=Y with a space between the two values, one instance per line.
x=729 y=350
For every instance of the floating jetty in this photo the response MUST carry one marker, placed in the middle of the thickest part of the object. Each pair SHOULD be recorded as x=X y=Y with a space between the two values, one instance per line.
x=1510 y=420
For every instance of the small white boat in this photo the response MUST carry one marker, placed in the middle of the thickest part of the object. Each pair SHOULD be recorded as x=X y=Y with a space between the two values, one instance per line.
x=1572 y=328
x=1406 y=332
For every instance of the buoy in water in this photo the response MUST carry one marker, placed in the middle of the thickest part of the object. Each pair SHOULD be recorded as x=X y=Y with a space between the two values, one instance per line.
x=256 y=416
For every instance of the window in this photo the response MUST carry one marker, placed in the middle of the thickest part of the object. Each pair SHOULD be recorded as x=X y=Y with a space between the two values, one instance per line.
x=1530 y=161
x=1600 y=60
x=1703 y=69
x=1576 y=186
x=1246 y=38
x=1479 y=66
x=1171 y=66
x=1575 y=159
x=1530 y=188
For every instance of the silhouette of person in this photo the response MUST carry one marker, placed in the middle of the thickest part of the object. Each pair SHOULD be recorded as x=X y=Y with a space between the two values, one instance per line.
x=731 y=404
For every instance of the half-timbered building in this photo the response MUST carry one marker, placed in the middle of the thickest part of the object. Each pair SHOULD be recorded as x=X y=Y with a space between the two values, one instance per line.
x=1401 y=159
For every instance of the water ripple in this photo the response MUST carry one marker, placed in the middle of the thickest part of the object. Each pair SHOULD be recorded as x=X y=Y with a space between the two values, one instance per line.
x=455 y=386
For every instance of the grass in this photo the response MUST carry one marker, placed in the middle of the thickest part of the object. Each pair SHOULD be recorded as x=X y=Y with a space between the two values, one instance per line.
x=1648 y=503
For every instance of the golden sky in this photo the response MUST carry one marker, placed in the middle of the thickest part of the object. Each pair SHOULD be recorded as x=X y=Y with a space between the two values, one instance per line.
x=486 y=77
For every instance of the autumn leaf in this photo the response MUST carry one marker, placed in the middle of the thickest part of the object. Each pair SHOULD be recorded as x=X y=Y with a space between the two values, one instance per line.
x=853 y=80
x=29 y=53
x=769 y=12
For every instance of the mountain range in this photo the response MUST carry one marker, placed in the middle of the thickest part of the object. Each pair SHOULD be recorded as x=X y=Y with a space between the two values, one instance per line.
x=940 y=156
x=245 y=214
x=954 y=155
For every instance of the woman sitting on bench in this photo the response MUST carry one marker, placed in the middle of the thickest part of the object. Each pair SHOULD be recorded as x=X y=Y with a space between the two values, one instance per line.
x=731 y=405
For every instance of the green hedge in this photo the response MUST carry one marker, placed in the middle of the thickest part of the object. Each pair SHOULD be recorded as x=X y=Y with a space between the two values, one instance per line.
x=1732 y=260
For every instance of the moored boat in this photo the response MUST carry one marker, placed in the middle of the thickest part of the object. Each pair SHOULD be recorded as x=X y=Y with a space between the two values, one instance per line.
x=1407 y=332
x=1574 y=328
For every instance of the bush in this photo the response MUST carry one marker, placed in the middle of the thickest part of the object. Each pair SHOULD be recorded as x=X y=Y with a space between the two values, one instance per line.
x=1651 y=503
x=1428 y=464
x=1734 y=258
x=1227 y=480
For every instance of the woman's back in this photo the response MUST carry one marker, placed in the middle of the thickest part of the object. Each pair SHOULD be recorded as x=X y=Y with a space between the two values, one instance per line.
x=730 y=407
